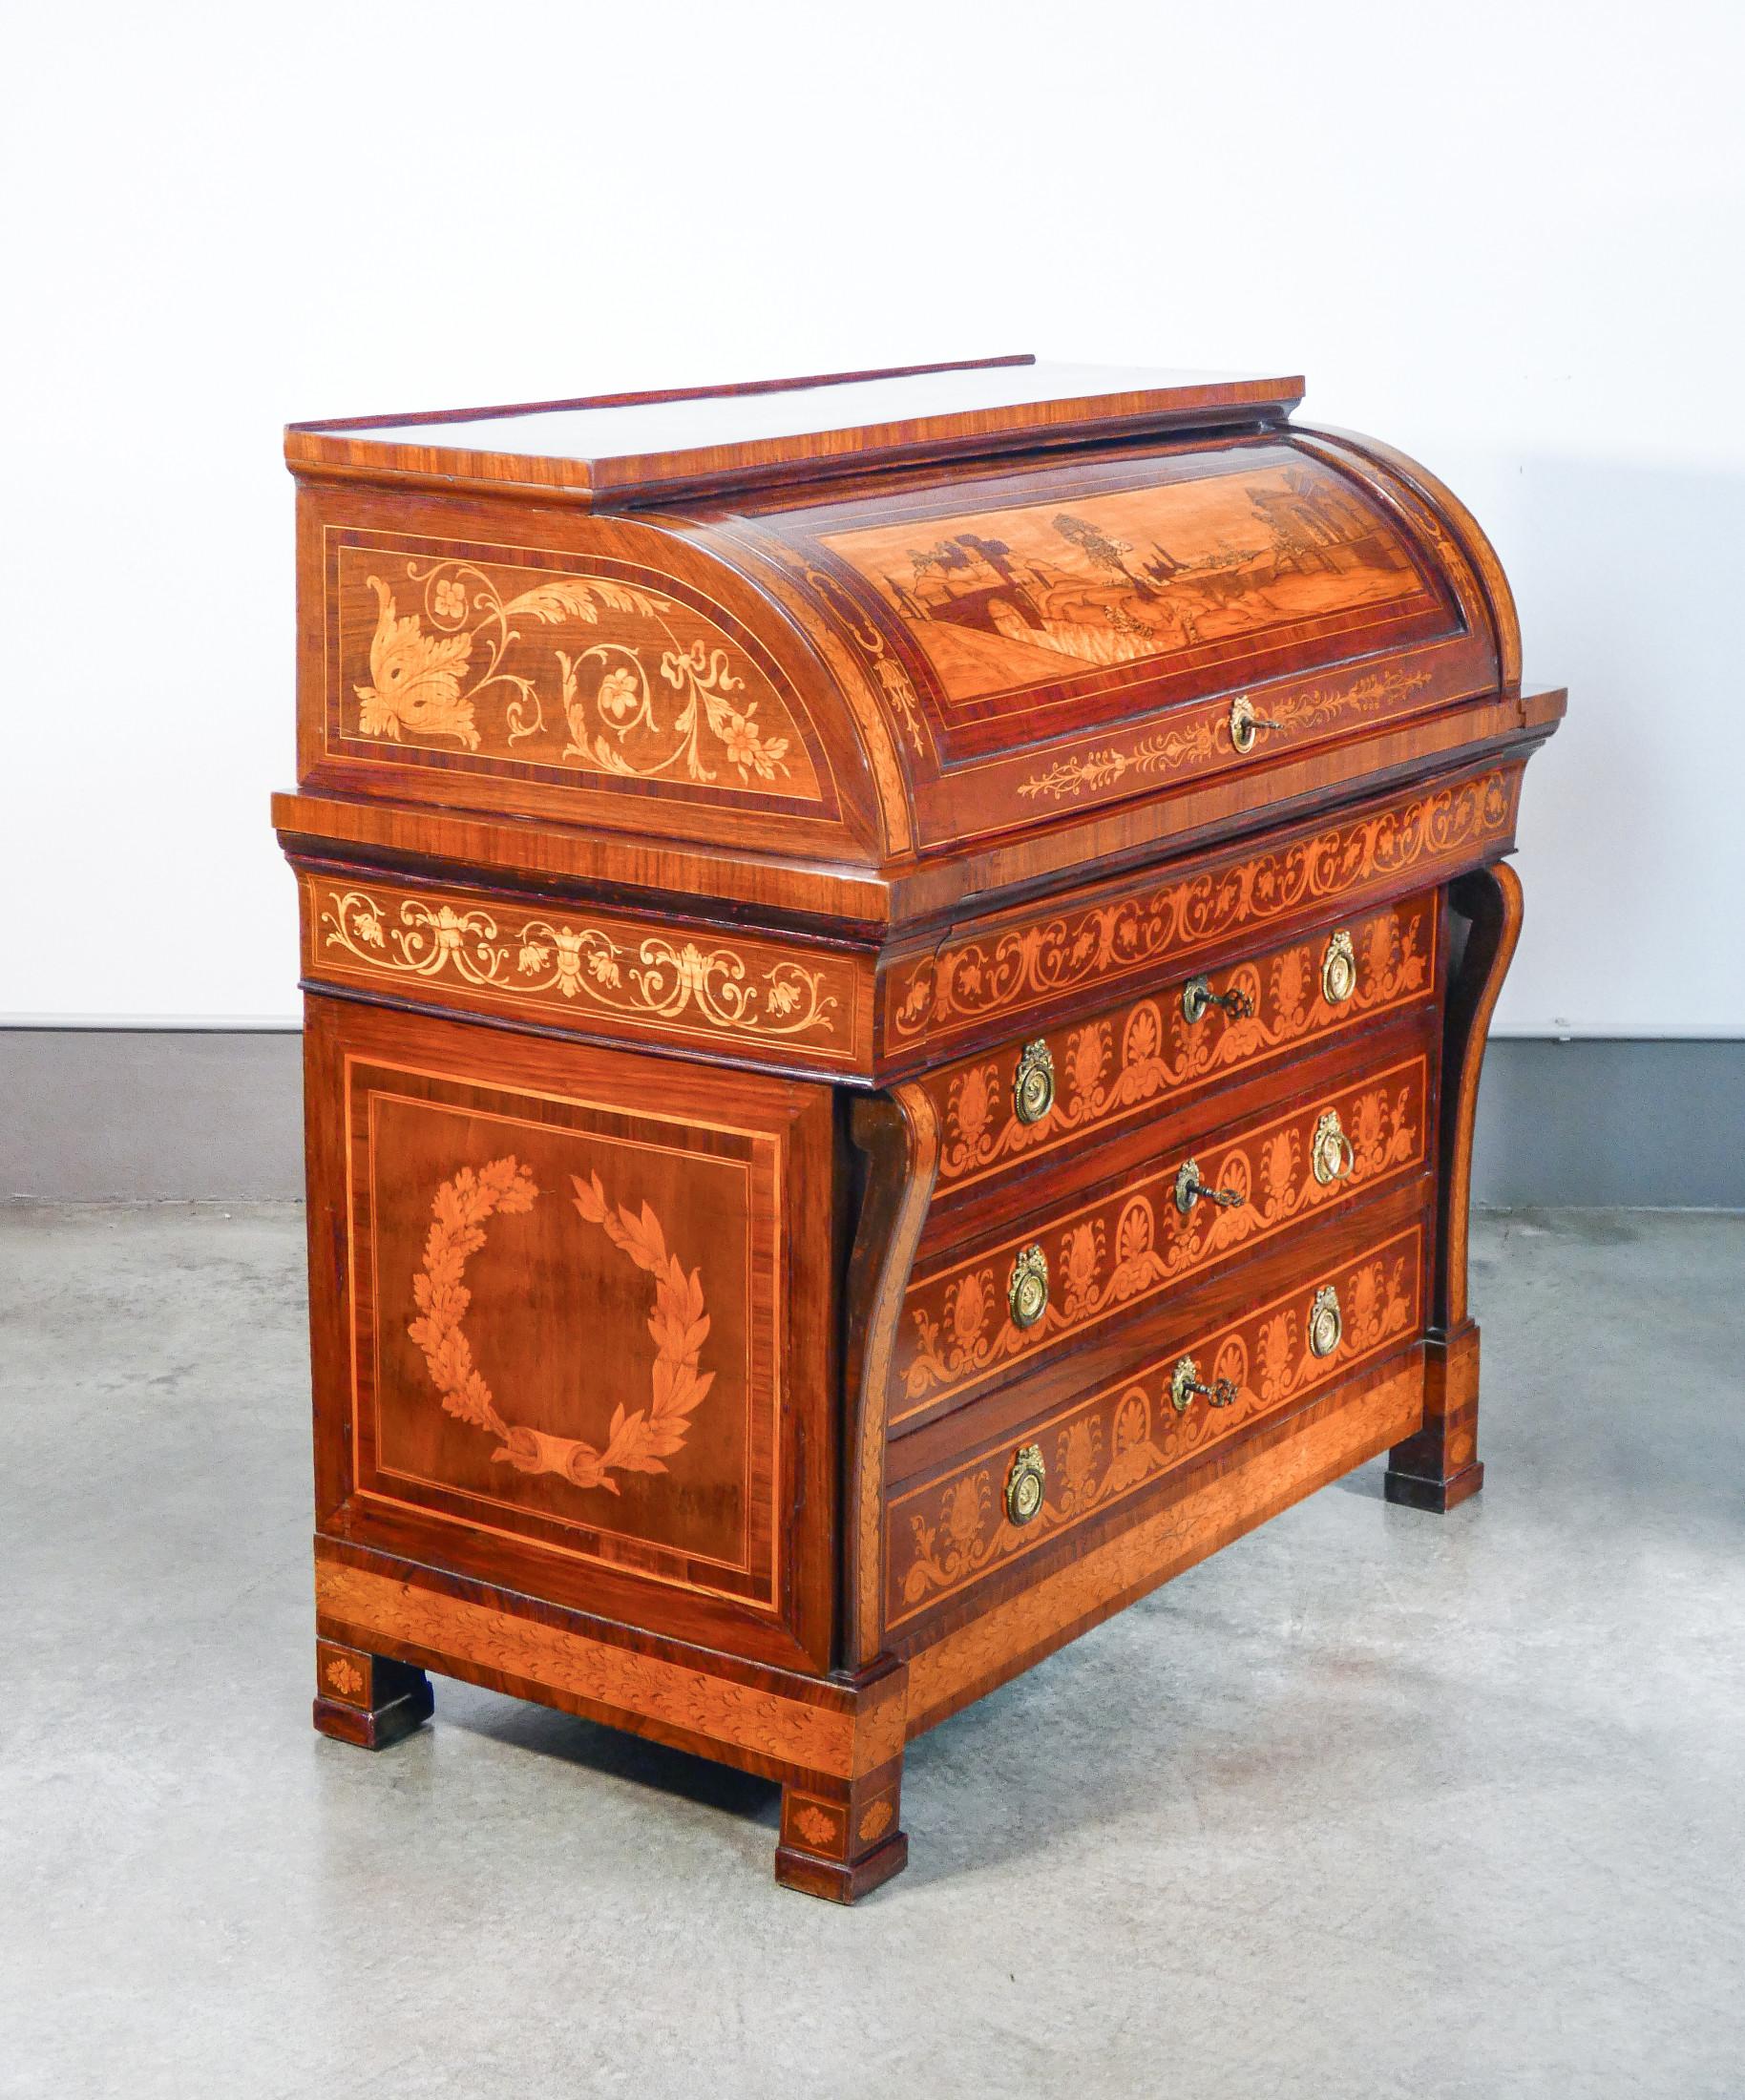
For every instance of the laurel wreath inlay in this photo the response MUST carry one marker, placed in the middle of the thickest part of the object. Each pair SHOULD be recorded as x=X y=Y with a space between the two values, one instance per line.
x=639 y=1441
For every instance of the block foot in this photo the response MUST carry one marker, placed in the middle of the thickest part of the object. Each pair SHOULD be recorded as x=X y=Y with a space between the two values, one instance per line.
x=368 y=1700
x=841 y=1840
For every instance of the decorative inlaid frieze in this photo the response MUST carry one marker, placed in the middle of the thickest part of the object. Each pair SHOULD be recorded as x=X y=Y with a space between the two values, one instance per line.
x=946 y=1534
x=1125 y=1246
x=1033 y=960
x=583 y=962
x=1312 y=711
x=1114 y=1066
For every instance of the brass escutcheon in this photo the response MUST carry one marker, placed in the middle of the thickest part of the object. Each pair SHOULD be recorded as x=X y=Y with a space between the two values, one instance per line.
x=1338 y=969
x=1326 y=1322
x=1245 y=723
x=1330 y=1154
x=1025 y=1484
x=1185 y=1384
x=1033 y=1082
x=1027 y=1294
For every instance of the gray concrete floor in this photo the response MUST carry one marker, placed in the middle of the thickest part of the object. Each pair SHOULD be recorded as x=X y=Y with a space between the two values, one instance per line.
x=1373 y=1803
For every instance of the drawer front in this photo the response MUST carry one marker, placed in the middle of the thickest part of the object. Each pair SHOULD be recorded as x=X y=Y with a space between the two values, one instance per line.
x=1108 y=1252
x=1087 y=1457
x=1100 y=1073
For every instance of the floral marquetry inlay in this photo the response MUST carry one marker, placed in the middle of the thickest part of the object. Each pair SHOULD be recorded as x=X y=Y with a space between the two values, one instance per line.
x=575 y=669
x=1131 y=1245
x=752 y=992
x=1031 y=961
x=945 y=1534
x=1112 y=1066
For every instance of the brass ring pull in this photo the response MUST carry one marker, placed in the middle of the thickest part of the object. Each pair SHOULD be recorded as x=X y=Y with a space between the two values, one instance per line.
x=1189 y=1189
x=1033 y=1082
x=1330 y=1154
x=1185 y=1384
x=1197 y=995
x=1244 y=724
x=1326 y=1322
x=1027 y=1292
x=1338 y=969
x=1025 y=1486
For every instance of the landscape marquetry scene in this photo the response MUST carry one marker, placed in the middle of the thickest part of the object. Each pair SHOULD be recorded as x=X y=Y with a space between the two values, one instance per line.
x=1013 y=599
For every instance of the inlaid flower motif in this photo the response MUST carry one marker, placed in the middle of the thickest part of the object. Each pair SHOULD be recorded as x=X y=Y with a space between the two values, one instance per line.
x=1086 y=1050
x=1369 y=1123
x=1278 y=1357
x=602 y=966
x=815 y=1827
x=1132 y=1422
x=1136 y=1231
x=446 y=929
x=962 y=1511
x=968 y=1310
x=367 y=926
x=449 y=599
x=619 y=695
x=974 y=1103
x=345 y=1676
x=1278 y=1167
x=1079 y=1259
x=1078 y=1455
x=534 y=956
x=1144 y=1034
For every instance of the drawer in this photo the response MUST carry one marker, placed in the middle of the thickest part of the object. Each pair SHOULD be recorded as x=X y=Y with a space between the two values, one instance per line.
x=1093 y=1078
x=1214 y=1380
x=971 y=1317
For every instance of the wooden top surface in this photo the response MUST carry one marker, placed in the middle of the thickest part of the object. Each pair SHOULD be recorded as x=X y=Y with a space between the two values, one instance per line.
x=624 y=449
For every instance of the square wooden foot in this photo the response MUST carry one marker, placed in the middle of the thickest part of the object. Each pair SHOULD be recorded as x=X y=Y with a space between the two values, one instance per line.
x=840 y=1839
x=369 y=1700
x=1438 y=1468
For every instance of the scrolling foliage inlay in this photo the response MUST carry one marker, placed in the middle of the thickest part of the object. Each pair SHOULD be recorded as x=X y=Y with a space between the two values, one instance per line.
x=1132 y=1243
x=1111 y=1067
x=639 y=1441
x=977 y=979
x=654 y=978
x=649 y=689
x=945 y=1534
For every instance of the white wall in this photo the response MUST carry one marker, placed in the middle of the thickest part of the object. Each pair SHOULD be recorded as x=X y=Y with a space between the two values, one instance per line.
x=1508 y=239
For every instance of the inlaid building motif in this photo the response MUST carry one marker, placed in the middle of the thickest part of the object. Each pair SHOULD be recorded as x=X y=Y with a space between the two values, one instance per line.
x=999 y=600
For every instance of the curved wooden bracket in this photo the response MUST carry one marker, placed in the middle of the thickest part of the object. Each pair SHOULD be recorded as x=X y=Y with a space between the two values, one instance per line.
x=1438 y=1466
x=899 y=1135
x=1488 y=903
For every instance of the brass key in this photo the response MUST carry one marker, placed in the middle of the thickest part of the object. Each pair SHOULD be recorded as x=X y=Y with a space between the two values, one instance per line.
x=1189 y=1189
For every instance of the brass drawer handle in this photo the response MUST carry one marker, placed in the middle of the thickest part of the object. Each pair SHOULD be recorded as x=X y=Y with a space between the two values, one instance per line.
x=1330 y=1154
x=1338 y=969
x=1326 y=1322
x=1033 y=1082
x=1189 y=1189
x=1025 y=1484
x=1185 y=1384
x=1244 y=724
x=1197 y=995
x=1027 y=1292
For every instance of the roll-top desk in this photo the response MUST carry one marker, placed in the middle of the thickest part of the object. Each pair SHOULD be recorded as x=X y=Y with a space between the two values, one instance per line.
x=896 y=972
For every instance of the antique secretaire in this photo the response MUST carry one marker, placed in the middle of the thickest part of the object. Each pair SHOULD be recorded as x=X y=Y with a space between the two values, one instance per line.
x=896 y=973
